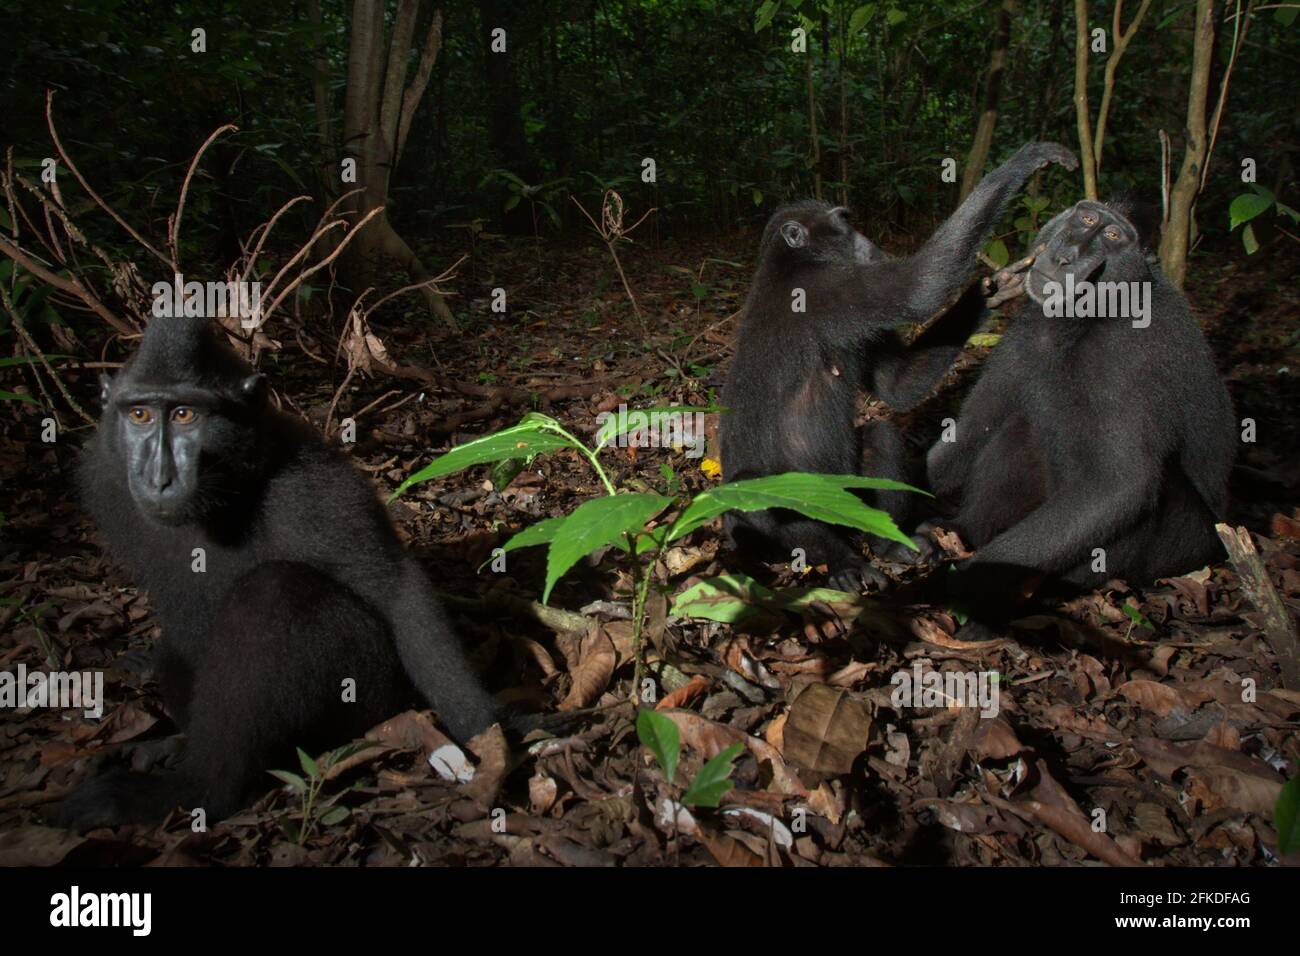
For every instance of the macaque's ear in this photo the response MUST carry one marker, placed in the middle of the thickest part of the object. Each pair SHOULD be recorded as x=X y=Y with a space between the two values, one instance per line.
x=105 y=386
x=794 y=233
x=253 y=388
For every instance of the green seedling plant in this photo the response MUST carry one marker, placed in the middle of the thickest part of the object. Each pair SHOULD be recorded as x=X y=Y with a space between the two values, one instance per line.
x=1135 y=618
x=32 y=616
x=308 y=786
x=1250 y=206
x=659 y=735
x=642 y=524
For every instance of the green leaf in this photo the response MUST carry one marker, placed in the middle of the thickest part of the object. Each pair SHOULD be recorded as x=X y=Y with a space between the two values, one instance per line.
x=985 y=339
x=757 y=195
x=1248 y=239
x=1286 y=817
x=858 y=21
x=1285 y=210
x=16 y=397
x=309 y=765
x=540 y=533
x=820 y=497
x=1246 y=207
x=1137 y=617
x=728 y=598
x=524 y=440
x=713 y=780
x=895 y=17
x=659 y=735
x=594 y=524
x=997 y=252
x=295 y=782
x=335 y=814
x=505 y=471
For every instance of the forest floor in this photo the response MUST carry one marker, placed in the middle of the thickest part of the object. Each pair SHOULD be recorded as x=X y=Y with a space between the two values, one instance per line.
x=1122 y=736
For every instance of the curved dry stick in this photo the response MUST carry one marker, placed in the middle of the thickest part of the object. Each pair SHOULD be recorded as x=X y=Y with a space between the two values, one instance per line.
x=72 y=168
x=343 y=244
x=72 y=286
x=265 y=230
x=174 y=227
x=446 y=274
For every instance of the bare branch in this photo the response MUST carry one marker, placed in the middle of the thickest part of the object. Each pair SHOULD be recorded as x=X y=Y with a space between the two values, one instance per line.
x=72 y=168
x=174 y=226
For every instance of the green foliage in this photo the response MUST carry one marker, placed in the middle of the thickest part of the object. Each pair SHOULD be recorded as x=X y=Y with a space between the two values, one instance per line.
x=308 y=785
x=822 y=497
x=603 y=521
x=1250 y=206
x=659 y=735
x=713 y=780
x=1286 y=817
x=621 y=518
x=1136 y=618
x=594 y=524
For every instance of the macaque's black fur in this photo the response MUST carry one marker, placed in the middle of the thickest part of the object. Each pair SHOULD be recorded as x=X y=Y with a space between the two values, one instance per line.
x=306 y=583
x=794 y=382
x=1086 y=433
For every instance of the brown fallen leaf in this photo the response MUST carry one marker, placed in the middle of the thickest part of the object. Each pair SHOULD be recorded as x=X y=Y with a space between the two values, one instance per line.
x=596 y=662
x=926 y=629
x=1053 y=806
x=826 y=730
x=1215 y=776
x=697 y=686
x=995 y=740
x=1158 y=698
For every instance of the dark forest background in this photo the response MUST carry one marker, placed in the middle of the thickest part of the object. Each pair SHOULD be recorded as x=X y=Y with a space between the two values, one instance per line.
x=589 y=88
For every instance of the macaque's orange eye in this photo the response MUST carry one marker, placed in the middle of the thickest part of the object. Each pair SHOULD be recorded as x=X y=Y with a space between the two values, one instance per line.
x=141 y=415
x=1112 y=235
x=183 y=415
x=1089 y=219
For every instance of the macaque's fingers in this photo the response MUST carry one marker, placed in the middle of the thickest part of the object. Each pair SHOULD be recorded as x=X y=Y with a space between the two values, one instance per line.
x=1012 y=288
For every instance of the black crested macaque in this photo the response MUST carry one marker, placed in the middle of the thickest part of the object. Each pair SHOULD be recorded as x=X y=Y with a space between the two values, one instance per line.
x=304 y=582
x=793 y=385
x=1090 y=431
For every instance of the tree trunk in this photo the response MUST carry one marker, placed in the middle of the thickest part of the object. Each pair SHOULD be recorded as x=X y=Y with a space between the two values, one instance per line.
x=1084 y=121
x=979 y=150
x=812 y=129
x=378 y=108
x=1176 y=239
x=326 y=169
x=844 y=113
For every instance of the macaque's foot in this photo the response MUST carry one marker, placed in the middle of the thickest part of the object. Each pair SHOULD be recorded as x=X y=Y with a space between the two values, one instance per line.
x=858 y=576
x=898 y=553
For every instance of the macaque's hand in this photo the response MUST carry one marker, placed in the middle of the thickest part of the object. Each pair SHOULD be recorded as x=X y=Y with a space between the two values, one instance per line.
x=1008 y=282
